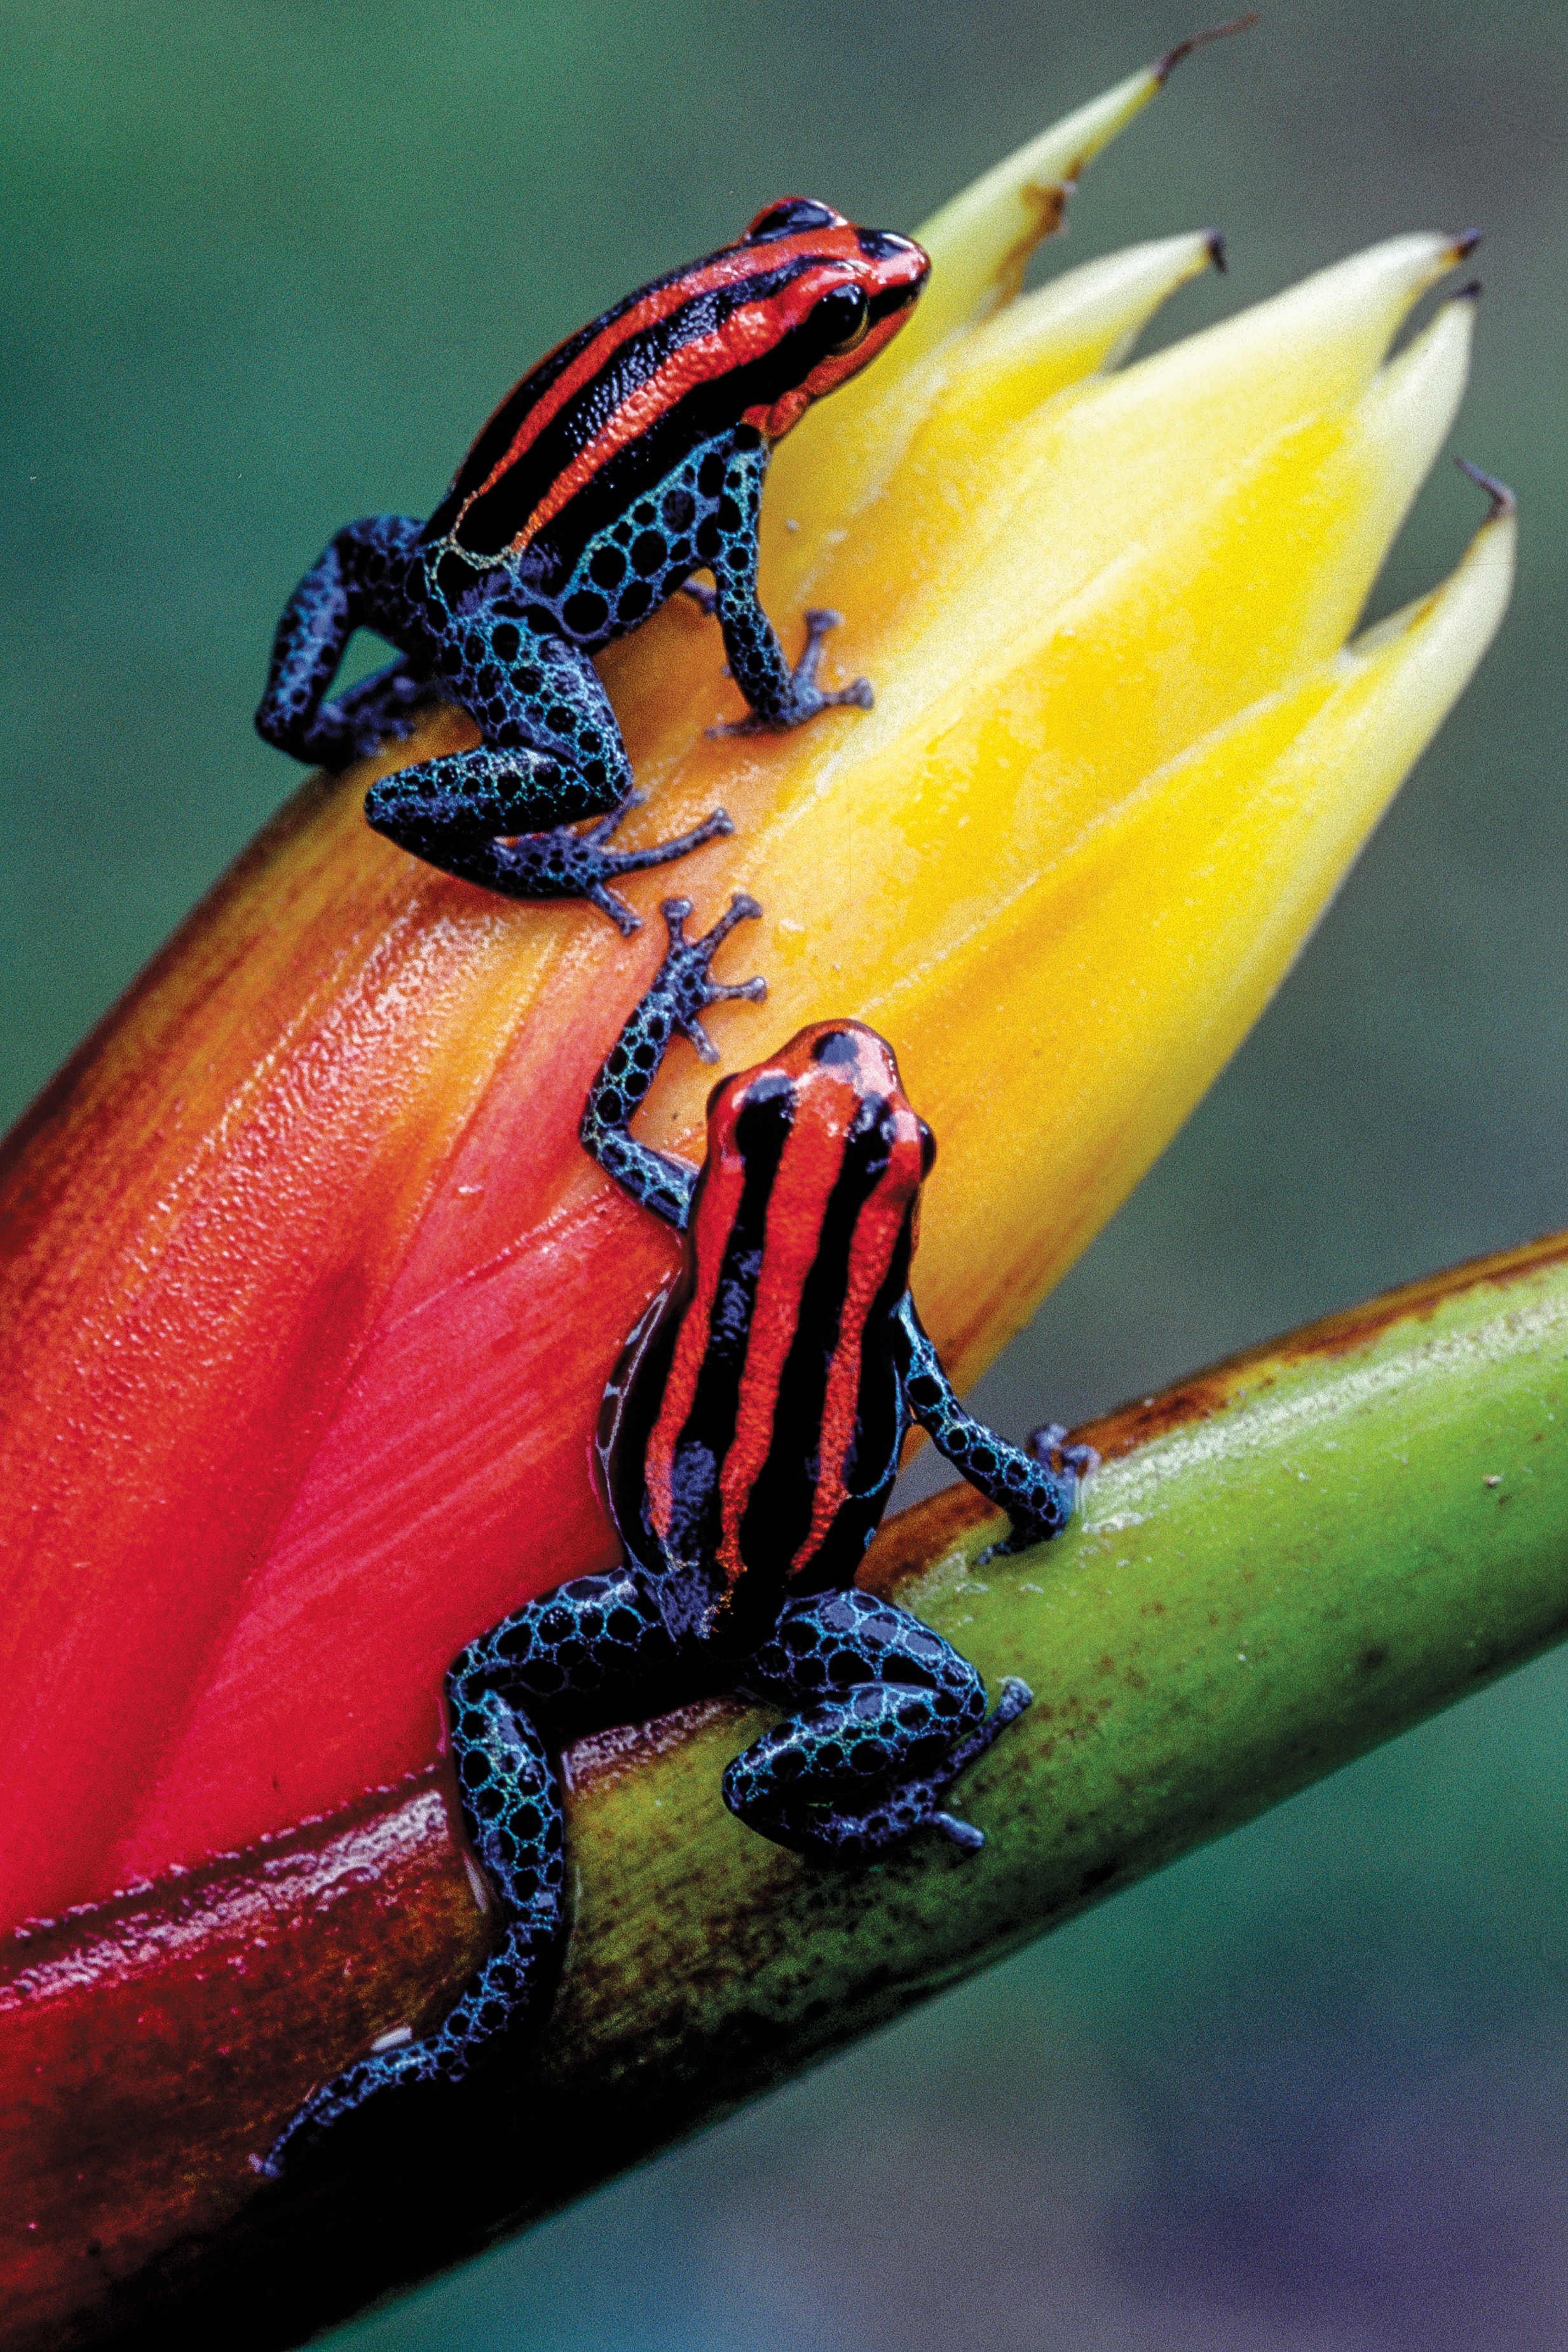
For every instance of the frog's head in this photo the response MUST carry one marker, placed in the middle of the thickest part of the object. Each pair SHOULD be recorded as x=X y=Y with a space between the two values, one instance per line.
x=824 y=1128
x=836 y=295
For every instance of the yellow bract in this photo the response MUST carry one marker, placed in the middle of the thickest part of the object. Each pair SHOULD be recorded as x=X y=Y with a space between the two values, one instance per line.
x=1121 y=755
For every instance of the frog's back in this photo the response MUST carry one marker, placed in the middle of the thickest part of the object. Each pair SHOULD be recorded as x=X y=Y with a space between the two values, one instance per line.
x=754 y=1441
x=674 y=372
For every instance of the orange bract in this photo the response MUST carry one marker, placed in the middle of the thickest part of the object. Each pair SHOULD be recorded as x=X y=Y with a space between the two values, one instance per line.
x=310 y=1292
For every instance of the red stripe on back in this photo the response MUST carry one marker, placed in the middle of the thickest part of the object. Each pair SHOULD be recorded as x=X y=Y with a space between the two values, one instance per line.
x=802 y=1188
x=746 y=335
x=735 y=264
x=877 y=1229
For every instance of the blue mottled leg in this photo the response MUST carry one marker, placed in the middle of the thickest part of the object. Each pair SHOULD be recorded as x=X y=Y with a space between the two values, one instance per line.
x=681 y=991
x=588 y=1652
x=892 y=1714
x=552 y=755
x=354 y=582
x=1037 y=1486
x=450 y=811
x=779 y=697
x=381 y=707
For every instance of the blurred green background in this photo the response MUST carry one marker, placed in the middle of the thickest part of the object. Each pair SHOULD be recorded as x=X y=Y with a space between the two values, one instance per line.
x=266 y=267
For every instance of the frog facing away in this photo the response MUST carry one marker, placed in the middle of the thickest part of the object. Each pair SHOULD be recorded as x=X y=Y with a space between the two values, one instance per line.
x=748 y=1441
x=632 y=456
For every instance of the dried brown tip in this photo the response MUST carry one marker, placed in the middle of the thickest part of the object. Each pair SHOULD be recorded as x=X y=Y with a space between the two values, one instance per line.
x=1164 y=66
x=1216 y=244
x=1503 y=501
x=1465 y=244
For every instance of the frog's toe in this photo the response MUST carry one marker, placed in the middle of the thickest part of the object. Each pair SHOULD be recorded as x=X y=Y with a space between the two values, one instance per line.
x=684 y=973
x=858 y=694
x=963 y=1834
x=1049 y=1444
x=562 y=864
x=810 y=697
x=610 y=902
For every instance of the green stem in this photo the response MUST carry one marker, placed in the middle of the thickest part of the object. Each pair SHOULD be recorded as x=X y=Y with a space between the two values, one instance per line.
x=1280 y=1564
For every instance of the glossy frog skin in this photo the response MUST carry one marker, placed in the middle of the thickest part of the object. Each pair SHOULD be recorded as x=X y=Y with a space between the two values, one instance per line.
x=748 y=1441
x=632 y=456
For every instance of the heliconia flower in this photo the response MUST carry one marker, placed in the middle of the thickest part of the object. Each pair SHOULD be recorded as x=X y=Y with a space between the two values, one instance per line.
x=311 y=1291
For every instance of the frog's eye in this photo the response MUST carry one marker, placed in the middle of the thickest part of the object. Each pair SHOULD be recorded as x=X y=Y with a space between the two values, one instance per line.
x=785 y=220
x=927 y=1149
x=840 y=319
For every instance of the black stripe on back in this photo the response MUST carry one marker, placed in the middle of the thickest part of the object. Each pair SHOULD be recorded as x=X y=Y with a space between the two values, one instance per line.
x=761 y=1130
x=708 y=410
x=495 y=520
x=778 y=1515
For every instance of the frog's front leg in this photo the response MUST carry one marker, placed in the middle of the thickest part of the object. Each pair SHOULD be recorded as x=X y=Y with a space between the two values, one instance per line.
x=673 y=1005
x=355 y=583
x=779 y=697
x=552 y=755
x=892 y=1715
x=591 y=1652
x=1037 y=1485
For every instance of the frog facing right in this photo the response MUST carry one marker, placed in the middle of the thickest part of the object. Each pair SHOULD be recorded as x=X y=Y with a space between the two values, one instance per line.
x=630 y=456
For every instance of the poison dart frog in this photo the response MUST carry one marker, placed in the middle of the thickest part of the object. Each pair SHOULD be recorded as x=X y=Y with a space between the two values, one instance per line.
x=748 y=1444
x=630 y=456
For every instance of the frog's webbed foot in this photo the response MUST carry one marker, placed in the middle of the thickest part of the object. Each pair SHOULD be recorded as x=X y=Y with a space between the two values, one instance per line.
x=566 y=865
x=468 y=813
x=1065 y=1463
x=806 y=697
x=850 y=1825
x=684 y=978
x=1016 y=1695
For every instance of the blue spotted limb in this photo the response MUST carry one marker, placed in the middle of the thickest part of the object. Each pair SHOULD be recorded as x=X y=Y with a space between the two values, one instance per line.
x=681 y=992
x=779 y=697
x=499 y=816
x=1036 y=1484
x=893 y=1714
x=587 y=1654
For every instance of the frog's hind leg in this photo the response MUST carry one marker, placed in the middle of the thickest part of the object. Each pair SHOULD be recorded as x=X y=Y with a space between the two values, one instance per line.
x=574 y=1658
x=502 y=1756
x=552 y=755
x=892 y=1714
x=356 y=581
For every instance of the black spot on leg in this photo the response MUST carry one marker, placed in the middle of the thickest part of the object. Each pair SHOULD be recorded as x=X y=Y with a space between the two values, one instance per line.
x=585 y=613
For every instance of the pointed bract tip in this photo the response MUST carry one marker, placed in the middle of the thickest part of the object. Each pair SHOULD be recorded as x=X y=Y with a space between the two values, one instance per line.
x=1164 y=66
x=1471 y=291
x=1465 y=244
x=1503 y=501
x=1216 y=244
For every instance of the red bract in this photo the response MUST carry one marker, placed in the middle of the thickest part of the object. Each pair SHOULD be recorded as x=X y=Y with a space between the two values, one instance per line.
x=301 y=1354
